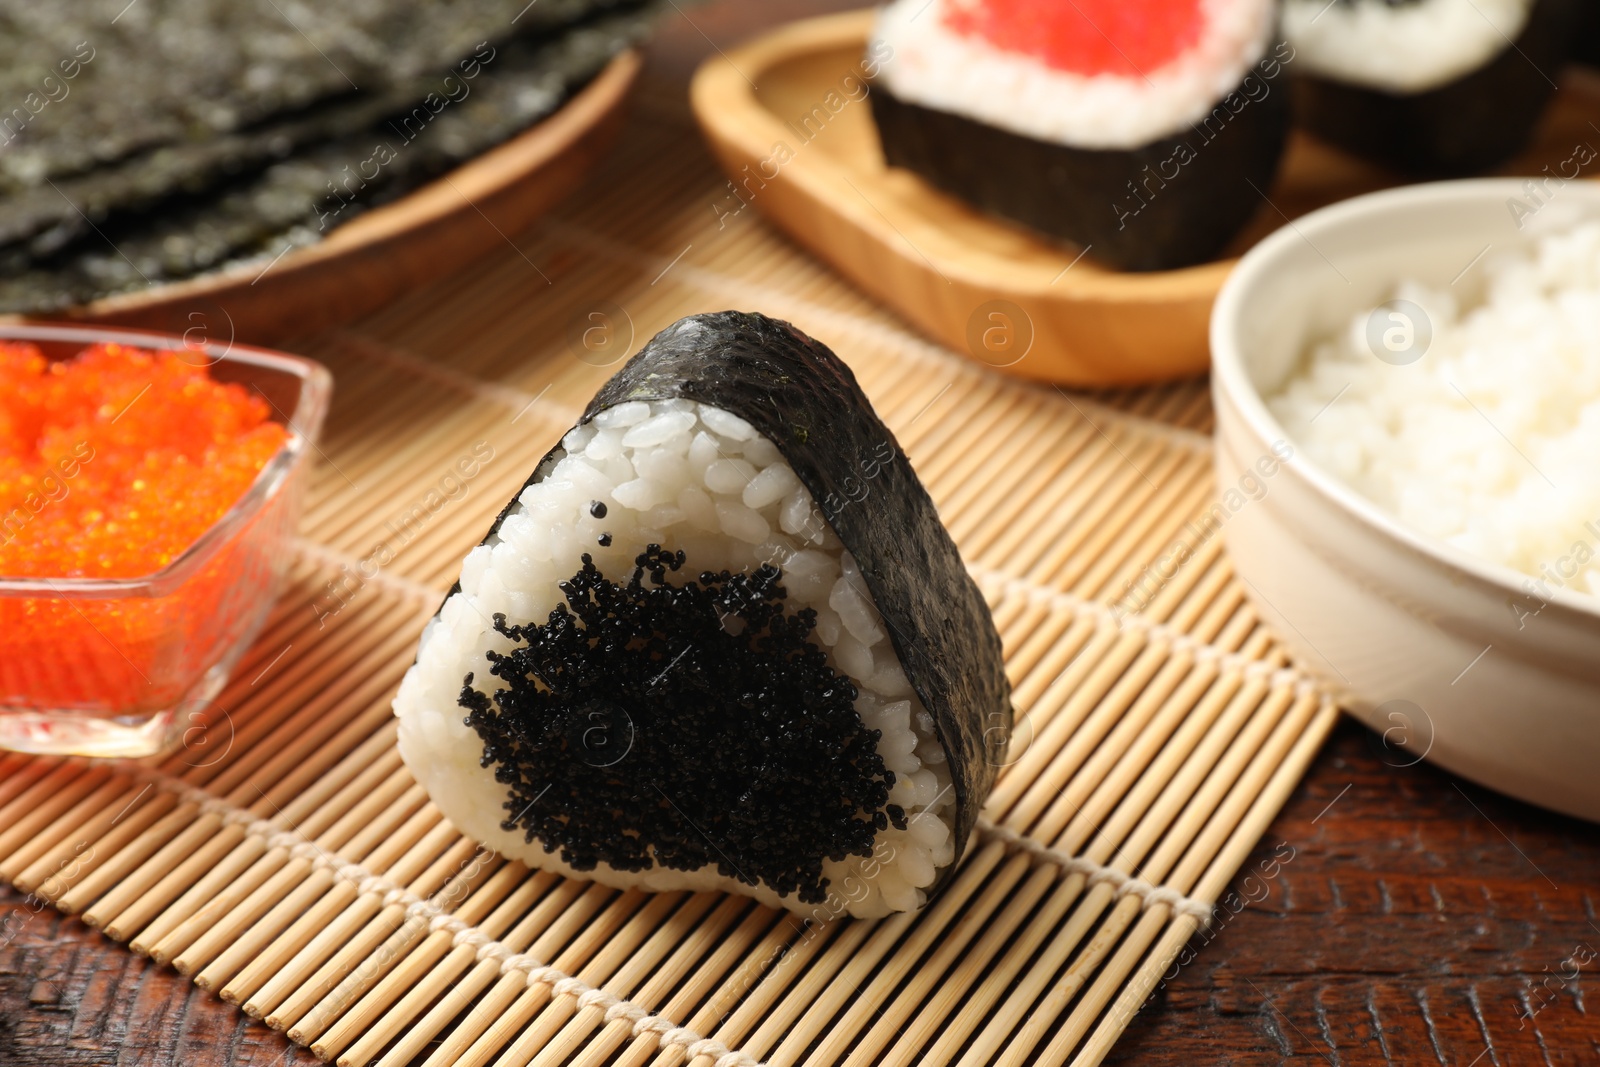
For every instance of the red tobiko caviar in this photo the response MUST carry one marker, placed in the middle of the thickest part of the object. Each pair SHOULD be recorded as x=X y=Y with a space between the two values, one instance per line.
x=1125 y=38
x=112 y=463
x=115 y=461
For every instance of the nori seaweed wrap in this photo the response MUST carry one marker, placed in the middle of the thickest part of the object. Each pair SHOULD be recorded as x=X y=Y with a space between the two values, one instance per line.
x=719 y=640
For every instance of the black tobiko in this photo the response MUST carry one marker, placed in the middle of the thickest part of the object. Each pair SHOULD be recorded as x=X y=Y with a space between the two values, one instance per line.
x=688 y=725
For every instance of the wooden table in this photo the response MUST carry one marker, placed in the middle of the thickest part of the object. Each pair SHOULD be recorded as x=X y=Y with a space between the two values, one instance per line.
x=1401 y=915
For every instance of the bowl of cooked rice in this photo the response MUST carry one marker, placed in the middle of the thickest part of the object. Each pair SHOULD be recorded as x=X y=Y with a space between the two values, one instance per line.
x=1407 y=388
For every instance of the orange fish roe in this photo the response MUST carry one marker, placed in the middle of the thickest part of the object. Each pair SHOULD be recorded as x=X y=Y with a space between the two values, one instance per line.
x=115 y=461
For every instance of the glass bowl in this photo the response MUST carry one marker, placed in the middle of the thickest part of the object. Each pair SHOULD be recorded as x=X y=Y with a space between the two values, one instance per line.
x=115 y=667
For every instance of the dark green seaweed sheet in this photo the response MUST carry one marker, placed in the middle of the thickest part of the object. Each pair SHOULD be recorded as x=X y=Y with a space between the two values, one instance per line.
x=805 y=400
x=166 y=72
x=297 y=201
x=51 y=215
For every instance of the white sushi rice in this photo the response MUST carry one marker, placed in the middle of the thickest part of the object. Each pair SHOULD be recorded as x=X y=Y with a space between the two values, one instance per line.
x=936 y=68
x=1404 y=48
x=1488 y=441
x=701 y=480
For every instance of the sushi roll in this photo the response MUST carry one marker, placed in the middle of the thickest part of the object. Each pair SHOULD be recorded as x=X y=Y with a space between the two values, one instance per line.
x=719 y=640
x=1145 y=131
x=1432 y=88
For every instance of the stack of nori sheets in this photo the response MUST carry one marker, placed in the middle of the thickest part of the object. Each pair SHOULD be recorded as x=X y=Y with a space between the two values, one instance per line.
x=150 y=142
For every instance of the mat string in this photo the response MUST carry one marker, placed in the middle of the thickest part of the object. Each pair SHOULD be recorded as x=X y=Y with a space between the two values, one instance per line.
x=1122 y=883
x=536 y=972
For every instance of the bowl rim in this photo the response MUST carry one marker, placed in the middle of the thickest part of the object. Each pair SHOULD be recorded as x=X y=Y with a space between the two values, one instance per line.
x=303 y=423
x=1231 y=381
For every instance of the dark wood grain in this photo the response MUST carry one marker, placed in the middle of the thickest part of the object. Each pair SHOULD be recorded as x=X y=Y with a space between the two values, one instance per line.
x=70 y=997
x=1421 y=920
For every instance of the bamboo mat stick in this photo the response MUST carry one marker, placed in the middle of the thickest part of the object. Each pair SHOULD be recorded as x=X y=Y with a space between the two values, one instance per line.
x=40 y=805
x=1151 y=536
x=1111 y=710
x=215 y=887
x=1152 y=759
x=391 y=920
x=567 y=911
x=577 y=958
x=1113 y=770
x=759 y=929
x=72 y=840
x=1059 y=949
x=623 y=967
x=1195 y=587
x=212 y=845
x=1268 y=760
x=698 y=951
x=263 y=984
x=992 y=484
x=1116 y=527
x=959 y=1009
x=309 y=727
x=1032 y=549
x=132 y=872
x=1035 y=629
x=1066 y=637
x=374 y=817
x=889 y=956
x=427 y=984
x=1243 y=841
x=234 y=881
x=314 y=803
x=357 y=934
x=284 y=686
x=1097 y=680
x=955 y=960
x=301 y=980
x=251 y=944
x=1081 y=914
x=781 y=963
x=472 y=896
x=137 y=827
x=552 y=895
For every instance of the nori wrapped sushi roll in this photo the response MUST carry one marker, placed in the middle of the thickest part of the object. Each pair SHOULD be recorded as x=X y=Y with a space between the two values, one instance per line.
x=720 y=640
x=1146 y=131
x=1432 y=88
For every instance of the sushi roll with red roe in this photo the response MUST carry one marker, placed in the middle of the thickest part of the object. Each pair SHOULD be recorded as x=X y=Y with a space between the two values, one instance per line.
x=1145 y=131
x=1433 y=88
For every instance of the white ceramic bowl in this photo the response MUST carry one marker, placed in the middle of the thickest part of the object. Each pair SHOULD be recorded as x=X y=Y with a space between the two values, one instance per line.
x=1420 y=639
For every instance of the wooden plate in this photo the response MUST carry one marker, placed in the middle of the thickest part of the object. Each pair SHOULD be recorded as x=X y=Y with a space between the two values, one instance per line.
x=784 y=115
x=395 y=248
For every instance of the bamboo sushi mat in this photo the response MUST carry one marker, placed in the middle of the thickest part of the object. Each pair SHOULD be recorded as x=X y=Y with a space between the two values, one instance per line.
x=286 y=860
